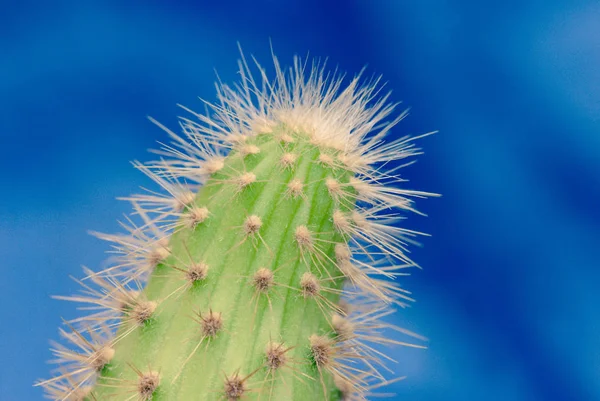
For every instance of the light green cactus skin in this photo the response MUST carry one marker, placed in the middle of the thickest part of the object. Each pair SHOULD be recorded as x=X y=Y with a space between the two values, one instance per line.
x=169 y=342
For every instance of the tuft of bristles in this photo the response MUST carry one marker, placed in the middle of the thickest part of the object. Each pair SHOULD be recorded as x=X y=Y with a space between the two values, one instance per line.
x=349 y=126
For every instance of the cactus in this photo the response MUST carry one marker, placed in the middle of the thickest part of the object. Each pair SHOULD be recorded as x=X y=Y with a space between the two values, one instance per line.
x=264 y=267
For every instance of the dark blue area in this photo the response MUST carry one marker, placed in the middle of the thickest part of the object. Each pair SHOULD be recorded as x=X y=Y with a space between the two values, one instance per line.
x=508 y=294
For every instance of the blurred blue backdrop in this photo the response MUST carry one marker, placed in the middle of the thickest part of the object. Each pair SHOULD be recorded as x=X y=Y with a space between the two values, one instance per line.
x=509 y=293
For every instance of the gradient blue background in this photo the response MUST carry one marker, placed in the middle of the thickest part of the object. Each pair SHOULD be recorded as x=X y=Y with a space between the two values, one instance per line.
x=509 y=294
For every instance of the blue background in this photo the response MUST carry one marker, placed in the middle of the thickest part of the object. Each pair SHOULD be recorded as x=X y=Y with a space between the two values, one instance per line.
x=509 y=291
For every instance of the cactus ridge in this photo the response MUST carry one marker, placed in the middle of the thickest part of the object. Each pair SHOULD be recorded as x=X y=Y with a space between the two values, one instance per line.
x=264 y=266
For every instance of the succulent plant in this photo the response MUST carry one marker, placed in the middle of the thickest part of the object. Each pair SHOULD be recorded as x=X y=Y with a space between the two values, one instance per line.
x=265 y=266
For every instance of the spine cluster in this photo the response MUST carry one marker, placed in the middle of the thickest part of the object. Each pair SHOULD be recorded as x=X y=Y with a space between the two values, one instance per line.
x=265 y=264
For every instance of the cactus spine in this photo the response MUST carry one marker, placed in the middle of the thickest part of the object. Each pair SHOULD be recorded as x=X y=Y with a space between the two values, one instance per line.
x=263 y=268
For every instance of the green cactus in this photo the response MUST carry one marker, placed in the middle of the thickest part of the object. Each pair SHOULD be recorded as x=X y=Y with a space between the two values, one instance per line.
x=264 y=267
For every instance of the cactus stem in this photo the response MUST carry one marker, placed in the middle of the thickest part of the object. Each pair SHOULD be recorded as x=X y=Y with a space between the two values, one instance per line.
x=279 y=210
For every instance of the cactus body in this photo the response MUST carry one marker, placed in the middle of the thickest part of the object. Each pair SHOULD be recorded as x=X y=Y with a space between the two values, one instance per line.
x=260 y=270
